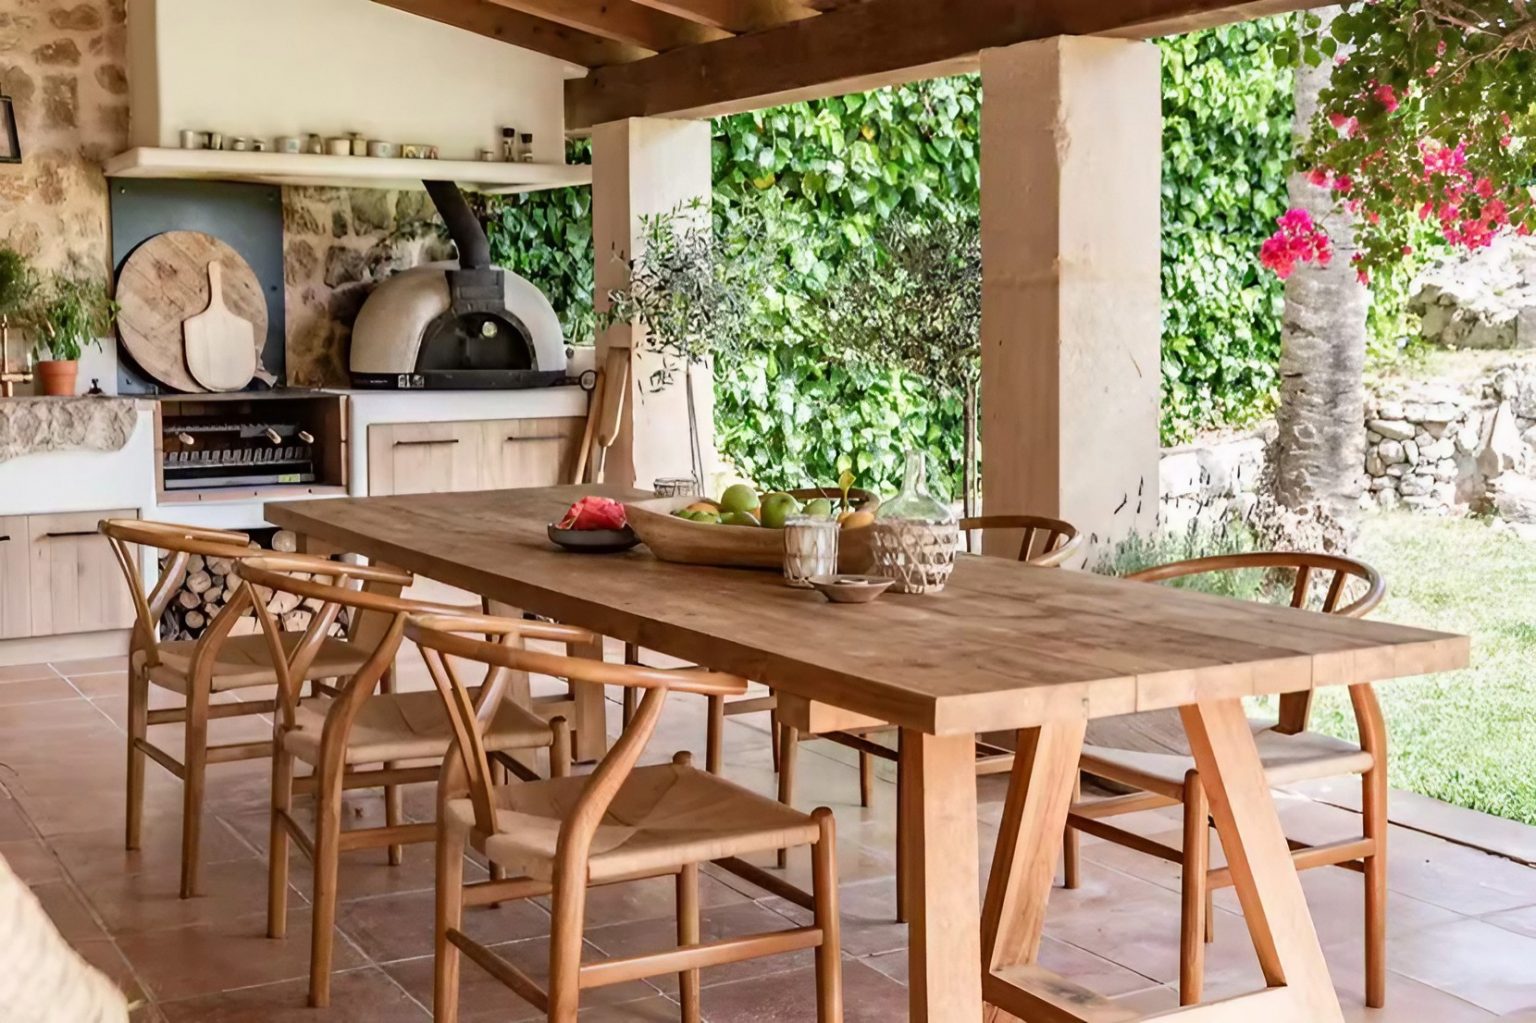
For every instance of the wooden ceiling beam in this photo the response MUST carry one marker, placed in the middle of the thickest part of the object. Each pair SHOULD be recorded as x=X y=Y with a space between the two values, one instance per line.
x=868 y=45
x=621 y=21
x=735 y=16
x=485 y=18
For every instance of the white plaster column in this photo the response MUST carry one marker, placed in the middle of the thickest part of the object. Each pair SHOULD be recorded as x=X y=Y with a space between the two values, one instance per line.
x=1071 y=168
x=640 y=167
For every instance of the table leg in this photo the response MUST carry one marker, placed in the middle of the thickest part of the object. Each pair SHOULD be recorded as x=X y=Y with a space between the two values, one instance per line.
x=942 y=900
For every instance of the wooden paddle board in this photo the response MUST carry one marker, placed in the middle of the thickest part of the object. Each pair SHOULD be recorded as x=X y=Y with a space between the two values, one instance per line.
x=163 y=282
x=221 y=350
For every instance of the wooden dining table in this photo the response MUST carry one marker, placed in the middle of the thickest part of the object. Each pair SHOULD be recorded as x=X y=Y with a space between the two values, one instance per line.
x=1005 y=646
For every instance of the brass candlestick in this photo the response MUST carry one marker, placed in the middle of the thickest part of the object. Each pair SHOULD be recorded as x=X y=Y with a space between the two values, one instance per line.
x=8 y=379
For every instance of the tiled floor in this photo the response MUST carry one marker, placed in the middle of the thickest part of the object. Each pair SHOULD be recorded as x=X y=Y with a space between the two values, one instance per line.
x=1463 y=922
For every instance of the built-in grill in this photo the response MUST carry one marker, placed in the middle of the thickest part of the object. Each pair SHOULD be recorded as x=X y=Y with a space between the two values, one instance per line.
x=211 y=443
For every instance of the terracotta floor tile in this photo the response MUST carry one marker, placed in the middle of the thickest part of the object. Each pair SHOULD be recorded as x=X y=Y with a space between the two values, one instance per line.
x=391 y=927
x=150 y=900
x=1476 y=961
x=89 y=856
x=31 y=861
x=23 y=672
x=868 y=997
x=1521 y=921
x=38 y=690
x=357 y=996
x=650 y=899
x=724 y=922
x=92 y=665
x=14 y=824
x=104 y=954
x=226 y=953
x=1460 y=879
x=32 y=719
x=70 y=913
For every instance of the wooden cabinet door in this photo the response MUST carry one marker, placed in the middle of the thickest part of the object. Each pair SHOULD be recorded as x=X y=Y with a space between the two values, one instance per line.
x=15 y=579
x=531 y=452
x=77 y=585
x=424 y=458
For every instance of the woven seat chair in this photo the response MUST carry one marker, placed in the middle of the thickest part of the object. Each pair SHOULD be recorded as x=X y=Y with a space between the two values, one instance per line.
x=216 y=662
x=620 y=823
x=1161 y=770
x=340 y=736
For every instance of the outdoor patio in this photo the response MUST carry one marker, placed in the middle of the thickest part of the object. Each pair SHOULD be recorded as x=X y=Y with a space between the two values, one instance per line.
x=1463 y=922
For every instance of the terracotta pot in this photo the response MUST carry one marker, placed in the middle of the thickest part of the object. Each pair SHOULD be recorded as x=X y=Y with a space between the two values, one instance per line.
x=57 y=377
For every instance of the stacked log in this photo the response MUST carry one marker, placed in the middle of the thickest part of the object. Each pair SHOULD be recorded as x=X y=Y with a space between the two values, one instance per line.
x=210 y=583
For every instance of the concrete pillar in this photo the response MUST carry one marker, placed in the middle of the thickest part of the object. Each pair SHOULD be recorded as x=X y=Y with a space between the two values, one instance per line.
x=640 y=167
x=1071 y=142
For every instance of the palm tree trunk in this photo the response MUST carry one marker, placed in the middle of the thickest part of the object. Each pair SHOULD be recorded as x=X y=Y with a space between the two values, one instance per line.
x=1320 y=451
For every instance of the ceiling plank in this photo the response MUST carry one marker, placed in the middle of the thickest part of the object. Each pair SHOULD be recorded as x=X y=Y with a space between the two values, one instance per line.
x=735 y=16
x=489 y=19
x=867 y=45
x=621 y=21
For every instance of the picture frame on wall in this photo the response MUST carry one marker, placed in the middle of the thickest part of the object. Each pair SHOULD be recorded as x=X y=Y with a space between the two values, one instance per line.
x=10 y=140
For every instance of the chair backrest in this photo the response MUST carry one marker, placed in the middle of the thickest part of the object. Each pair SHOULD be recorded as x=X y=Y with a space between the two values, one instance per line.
x=1296 y=708
x=1309 y=568
x=1047 y=542
x=334 y=585
x=441 y=637
x=179 y=543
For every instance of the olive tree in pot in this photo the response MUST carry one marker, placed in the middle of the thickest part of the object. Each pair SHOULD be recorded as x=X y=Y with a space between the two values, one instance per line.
x=692 y=296
x=17 y=284
x=70 y=312
x=913 y=300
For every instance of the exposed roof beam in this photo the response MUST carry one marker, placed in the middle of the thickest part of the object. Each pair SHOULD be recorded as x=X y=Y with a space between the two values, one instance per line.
x=620 y=20
x=488 y=19
x=867 y=45
x=734 y=15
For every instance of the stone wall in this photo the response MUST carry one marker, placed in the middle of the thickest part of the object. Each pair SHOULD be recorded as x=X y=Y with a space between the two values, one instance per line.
x=61 y=61
x=1213 y=481
x=337 y=245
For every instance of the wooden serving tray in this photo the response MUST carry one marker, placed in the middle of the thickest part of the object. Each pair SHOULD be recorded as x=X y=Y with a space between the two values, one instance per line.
x=696 y=543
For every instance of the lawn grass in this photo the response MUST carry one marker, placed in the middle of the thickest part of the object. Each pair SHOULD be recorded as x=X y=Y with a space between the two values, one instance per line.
x=1467 y=737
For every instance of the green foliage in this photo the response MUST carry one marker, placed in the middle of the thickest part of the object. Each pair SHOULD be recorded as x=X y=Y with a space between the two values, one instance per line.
x=1227 y=112
x=17 y=282
x=810 y=184
x=70 y=312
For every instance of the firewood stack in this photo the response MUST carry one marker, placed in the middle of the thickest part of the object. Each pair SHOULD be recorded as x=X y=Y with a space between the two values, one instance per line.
x=210 y=583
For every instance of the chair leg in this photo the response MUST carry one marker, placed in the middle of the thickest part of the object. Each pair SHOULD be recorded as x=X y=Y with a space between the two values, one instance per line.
x=866 y=780
x=688 y=934
x=500 y=778
x=449 y=915
x=560 y=751
x=714 y=744
x=326 y=866
x=1374 y=786
x=138 y=731
x=773 y=737
x=1196 y=889
x=394 y=795
x=829 y=966
x=789 y=746
x=570 y=902
x=903 y=859
x=1071 y=850
x=631 y=656
x=277 y=843
x=194 y=767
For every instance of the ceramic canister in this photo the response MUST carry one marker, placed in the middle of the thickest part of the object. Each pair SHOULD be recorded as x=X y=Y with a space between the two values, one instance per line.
x=339 y=146
x=290 y=144
x=381 y=150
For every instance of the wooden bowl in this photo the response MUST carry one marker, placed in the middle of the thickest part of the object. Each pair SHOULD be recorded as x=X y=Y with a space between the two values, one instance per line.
x=850 y=589
x=697 y=543
x=594 y=541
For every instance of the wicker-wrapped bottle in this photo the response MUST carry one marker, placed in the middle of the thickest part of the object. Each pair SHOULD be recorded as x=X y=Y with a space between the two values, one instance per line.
x=915 y=534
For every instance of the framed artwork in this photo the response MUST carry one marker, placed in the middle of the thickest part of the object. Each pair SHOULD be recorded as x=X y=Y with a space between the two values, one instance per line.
x=10 y=143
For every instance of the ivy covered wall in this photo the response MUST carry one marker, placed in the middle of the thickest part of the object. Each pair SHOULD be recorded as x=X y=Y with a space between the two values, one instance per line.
x=824 y=174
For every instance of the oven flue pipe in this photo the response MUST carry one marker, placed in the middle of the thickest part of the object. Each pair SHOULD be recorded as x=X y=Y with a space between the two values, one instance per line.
x=463 y=227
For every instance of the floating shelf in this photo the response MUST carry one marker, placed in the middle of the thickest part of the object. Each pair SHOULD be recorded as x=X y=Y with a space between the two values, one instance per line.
x=343 y=171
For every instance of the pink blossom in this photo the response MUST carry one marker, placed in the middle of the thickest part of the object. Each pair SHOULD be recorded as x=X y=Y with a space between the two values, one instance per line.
x=1318 y=176
x=1507 y=141
x=1299 y=240
x=1388 y=97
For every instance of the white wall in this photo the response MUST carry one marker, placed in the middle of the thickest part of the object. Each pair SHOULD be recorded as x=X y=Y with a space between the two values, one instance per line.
x=264 y=68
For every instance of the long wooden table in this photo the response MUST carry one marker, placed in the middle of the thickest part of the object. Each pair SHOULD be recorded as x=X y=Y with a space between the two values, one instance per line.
x=1005 y=646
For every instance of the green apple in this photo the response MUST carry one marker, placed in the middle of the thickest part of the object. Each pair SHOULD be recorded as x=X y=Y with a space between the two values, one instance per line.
x=819 y=508
x=776 y=508
x=738 y=498
x=738 y=518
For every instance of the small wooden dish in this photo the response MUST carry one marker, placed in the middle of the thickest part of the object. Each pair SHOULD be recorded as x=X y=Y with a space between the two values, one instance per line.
x=594 y=541
x=850 y=589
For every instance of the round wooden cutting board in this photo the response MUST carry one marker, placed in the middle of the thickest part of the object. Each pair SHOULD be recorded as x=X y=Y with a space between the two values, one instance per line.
x=164 y=281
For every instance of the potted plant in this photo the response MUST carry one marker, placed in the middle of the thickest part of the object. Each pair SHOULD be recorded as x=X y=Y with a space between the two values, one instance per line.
x=691 y=296
x=70 y=312
x=17 y=283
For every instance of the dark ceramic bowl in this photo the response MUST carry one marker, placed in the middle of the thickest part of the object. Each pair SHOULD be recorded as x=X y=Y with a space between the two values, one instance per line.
x=594 y=541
